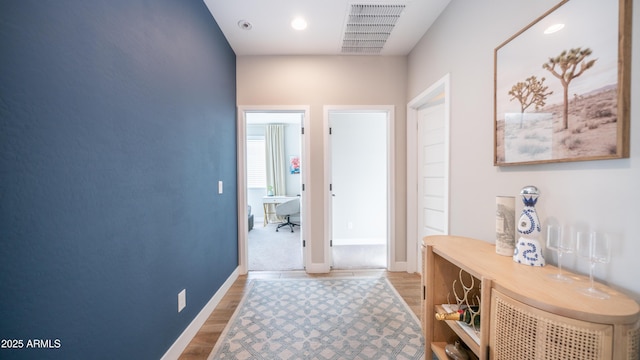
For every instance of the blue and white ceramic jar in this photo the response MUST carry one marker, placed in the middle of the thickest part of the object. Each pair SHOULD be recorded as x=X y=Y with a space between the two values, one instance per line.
x=528 y=250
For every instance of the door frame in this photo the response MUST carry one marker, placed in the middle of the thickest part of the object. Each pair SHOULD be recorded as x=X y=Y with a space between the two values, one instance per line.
x=432 y=94
x=243 y=221
x=392 y=265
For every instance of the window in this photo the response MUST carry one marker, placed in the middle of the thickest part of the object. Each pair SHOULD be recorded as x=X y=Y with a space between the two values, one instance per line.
x=256 y=166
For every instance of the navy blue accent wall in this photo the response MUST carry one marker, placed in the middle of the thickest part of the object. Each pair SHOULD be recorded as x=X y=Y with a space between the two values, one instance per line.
x=117 y=120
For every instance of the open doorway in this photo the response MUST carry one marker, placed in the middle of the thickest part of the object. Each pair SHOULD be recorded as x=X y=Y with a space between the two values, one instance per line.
x=359 y=188
x=272 y=159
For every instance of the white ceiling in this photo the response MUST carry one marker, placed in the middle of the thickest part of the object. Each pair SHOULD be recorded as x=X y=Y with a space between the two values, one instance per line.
x=271 y=32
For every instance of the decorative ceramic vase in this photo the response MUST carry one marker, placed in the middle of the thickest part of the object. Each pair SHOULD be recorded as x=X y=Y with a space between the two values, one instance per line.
x=505 y=225
x=528 y=249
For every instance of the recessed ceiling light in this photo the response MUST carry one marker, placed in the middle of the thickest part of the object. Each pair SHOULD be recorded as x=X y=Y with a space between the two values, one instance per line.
x=554 y=28
x=244 y=25
x=299 y=23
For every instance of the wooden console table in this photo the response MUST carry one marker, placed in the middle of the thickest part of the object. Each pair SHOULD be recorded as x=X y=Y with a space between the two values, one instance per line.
x=524 y=313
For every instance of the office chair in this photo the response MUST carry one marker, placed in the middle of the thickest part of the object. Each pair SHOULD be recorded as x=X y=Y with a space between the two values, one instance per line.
x=287 y=209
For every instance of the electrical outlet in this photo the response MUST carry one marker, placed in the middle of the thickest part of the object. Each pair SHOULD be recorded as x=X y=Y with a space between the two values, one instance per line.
x=350 y=225
x=220 y=187
x=182 y=299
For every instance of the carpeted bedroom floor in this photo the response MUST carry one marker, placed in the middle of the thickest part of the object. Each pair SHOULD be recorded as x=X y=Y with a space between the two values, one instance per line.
x=282 y=250
x=274 y=251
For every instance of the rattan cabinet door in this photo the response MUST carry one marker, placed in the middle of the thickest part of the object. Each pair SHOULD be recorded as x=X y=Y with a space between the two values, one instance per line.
x=522 y=332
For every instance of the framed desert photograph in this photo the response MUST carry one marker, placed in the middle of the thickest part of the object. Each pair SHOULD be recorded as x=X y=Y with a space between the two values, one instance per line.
x=562 y=86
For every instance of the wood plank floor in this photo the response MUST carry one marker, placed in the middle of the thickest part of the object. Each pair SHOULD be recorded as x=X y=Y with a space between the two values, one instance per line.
x=407 y=285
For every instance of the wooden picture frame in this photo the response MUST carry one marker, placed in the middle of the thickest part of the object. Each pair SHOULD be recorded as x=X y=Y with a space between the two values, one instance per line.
x=538 y=117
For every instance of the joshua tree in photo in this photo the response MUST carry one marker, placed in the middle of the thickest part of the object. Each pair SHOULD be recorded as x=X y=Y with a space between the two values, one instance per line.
x=567 y=63
x=530 y=92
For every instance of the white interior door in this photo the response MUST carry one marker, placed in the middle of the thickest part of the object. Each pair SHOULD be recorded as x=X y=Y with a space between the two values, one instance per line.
x=428 y=170
x=432 y=174
x=432 y=171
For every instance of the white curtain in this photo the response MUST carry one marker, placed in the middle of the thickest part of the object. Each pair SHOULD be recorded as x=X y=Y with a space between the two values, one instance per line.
x=275 y=158
x=275 y=165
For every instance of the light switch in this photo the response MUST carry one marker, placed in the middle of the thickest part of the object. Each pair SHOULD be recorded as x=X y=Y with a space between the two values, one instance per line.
x=182 y=299
x=220 y=187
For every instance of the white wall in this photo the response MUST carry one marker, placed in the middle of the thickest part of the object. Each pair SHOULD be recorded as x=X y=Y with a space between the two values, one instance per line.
x=601 y=194
x=317 y=81
x=254 y=195
x=359 y=177
x=292 y=148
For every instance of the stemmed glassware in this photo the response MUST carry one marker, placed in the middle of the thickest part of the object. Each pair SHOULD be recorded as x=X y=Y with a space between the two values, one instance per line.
x=561 y=244
x=596 y=247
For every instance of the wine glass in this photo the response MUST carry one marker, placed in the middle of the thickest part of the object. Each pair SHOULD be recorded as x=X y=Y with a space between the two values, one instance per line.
x=596 y=247
x=561 y=244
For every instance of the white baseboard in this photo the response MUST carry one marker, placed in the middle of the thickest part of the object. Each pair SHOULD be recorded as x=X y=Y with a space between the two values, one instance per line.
x=322 y=268
x=317 y=268
x=398 y=266
x=359 y=241
x=190 y=332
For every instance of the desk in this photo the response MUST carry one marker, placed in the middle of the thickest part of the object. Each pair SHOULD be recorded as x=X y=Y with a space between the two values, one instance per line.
x=273 y=200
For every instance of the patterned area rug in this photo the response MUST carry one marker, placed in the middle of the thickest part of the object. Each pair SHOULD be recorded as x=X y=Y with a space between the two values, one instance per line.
x=324 y=318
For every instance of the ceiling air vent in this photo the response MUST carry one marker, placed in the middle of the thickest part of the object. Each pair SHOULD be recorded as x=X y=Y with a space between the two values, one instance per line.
x=369 y=27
